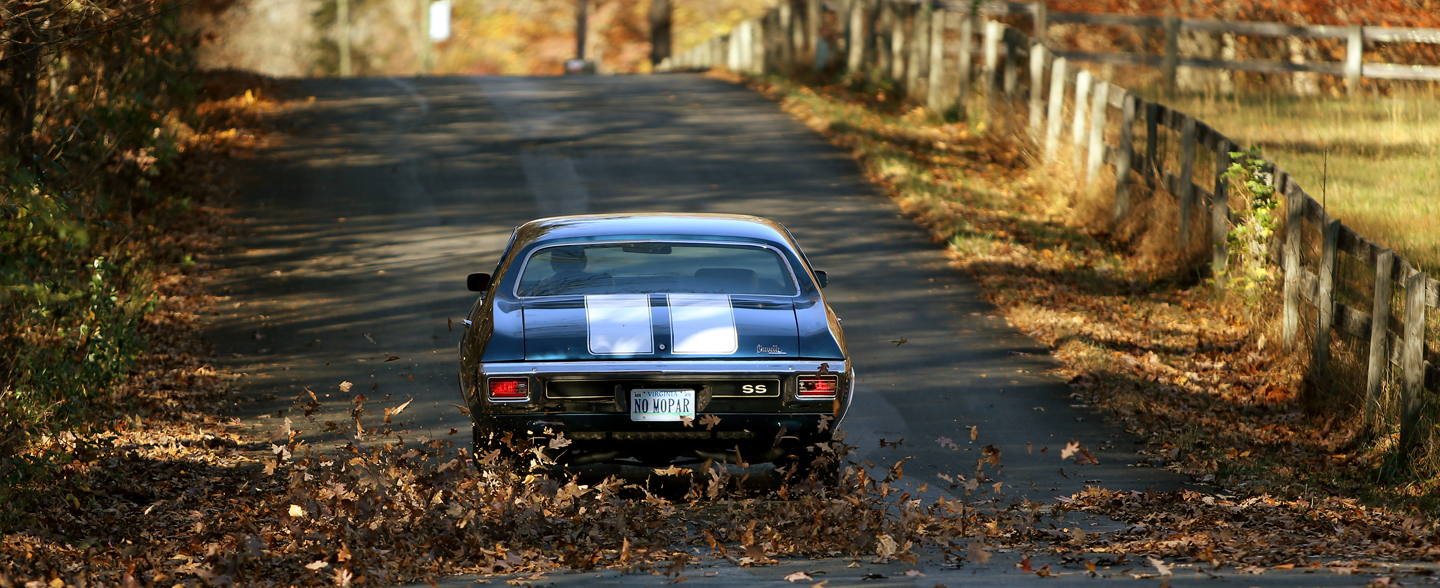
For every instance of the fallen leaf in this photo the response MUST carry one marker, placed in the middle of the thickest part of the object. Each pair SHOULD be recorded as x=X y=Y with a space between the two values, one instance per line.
x=345 y=386
x=391 y=358
x=900 y=341
x=390 y=412
x=1160 y=566
x=798 y=577
x=711 y=420
x=974 y=432
x=976 y=552
x=317 y=565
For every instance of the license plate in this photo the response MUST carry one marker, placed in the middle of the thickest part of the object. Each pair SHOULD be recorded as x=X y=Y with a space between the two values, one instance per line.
x=647 y=404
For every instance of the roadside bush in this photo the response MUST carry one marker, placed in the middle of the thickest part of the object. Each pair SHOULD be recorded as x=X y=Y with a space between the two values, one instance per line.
x=95 y=114
x=1249 y=276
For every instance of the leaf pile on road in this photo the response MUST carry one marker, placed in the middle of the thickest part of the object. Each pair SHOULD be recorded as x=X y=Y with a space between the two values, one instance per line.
x=1255 y=531
x=181 y=502
x=1141 y=339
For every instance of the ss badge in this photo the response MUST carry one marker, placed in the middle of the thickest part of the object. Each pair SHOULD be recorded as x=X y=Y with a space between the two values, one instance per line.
x=754 y=389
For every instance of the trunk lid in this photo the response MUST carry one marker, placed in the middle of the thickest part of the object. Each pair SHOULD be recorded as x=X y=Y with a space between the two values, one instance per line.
x=660 y=326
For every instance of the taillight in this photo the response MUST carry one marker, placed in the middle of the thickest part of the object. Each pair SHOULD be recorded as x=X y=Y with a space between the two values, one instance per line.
x=817 y=387
x=509 y=389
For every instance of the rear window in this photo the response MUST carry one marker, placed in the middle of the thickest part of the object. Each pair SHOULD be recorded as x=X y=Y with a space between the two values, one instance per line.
x=655 y=267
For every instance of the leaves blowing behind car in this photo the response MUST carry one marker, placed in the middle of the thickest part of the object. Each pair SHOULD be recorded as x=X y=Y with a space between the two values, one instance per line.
x=618 y=333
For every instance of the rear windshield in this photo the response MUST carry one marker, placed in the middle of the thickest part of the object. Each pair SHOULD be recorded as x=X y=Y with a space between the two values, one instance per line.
x=655 y=267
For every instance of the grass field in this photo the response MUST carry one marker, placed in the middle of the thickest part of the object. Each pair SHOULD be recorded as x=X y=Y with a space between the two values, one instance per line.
x=1382 y=177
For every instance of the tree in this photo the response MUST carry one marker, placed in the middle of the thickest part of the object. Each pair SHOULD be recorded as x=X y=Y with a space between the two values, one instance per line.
x=659 y=31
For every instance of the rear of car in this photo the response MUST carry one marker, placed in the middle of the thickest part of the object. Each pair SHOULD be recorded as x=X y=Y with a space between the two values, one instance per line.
x=652 y=338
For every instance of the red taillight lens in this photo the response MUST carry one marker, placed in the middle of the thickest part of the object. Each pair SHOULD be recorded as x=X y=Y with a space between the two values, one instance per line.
x=817 y=387
x=509 y=389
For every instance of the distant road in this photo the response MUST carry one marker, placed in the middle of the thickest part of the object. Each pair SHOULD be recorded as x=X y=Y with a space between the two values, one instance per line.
x=362 y=226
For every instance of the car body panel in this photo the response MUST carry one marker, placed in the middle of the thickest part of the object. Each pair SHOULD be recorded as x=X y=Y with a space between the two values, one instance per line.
x=581 y=355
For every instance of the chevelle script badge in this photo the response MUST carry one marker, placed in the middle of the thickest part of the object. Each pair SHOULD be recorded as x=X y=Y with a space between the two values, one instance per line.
x=772 y=350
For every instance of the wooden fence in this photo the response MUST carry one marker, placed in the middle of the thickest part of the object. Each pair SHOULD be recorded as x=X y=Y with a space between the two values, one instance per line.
x=1353 y=68
x=928 y=49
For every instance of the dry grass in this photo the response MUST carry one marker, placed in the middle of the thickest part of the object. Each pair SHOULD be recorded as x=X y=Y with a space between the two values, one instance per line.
x=1375 y=161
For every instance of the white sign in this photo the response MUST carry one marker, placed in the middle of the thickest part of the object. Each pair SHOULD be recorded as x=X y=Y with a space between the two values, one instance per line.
x=661 y=405
x=440 y=20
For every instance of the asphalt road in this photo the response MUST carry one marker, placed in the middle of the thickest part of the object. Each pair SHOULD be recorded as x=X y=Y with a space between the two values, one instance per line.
x=362 y=224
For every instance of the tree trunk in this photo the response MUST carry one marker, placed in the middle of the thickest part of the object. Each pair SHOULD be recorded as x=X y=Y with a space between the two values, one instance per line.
x=581 y=9
x=659 y=31
x=19 y=89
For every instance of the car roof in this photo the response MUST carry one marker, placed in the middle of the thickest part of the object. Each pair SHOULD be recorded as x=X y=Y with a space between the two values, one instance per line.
x=589 y=226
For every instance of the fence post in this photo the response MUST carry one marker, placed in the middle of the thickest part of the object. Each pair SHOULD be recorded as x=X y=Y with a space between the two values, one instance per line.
x=1126 y=155
x=935 y=81
x=1042 y=20
x=1379 y=328
x=1294 y=216
x=916 y=70
x=1354 y=49
x=1412 y=359
x=1152 y=144
x=1037 y=87
x=992 y=59
x=1172 y=52
x=1220 y=215
x=1080 y=109
x=1187 y=177
x=1012 y=54
x=1055 y=107
x=898 y=16
x=856 y=45
x=1099 y=107
x=1325 y=298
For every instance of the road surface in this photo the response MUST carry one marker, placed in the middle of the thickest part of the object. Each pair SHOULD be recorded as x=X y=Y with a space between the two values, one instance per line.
x=362 y=224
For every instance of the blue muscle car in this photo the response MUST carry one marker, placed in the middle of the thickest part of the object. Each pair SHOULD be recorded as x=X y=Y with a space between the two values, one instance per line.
x=654 y=339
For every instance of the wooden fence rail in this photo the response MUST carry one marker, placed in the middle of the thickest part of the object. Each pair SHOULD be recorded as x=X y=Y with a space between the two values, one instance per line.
x=927 y=48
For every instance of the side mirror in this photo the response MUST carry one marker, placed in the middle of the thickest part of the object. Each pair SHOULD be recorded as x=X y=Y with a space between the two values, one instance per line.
x=821 y=278
x=478 y=282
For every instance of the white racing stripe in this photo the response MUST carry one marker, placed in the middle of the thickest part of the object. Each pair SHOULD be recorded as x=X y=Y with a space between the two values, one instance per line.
x=702 y=324
x=618 y=324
